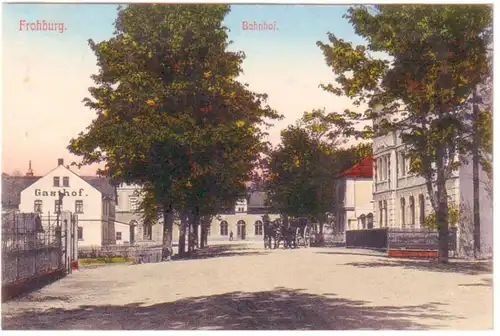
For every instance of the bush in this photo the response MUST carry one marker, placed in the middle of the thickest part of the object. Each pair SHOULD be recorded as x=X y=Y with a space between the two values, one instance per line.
x=430 y=221
x=105 y=260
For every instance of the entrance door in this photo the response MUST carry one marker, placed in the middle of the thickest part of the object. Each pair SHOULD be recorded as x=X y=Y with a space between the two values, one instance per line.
x=132 y=226
x=241 y=230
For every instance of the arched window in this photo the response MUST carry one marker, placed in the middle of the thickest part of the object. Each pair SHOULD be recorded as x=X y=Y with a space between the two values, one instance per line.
x=258 y=228
x=224 y=227
x=421 y=202
x=412 y=211
x=362 y=221
x=147 y=232
x=370 y=220
x=386 y=220
x=403 y=213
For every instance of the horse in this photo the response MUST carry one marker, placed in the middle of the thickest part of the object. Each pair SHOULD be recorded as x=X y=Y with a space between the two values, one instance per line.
x=271 y=231
x=286 y=234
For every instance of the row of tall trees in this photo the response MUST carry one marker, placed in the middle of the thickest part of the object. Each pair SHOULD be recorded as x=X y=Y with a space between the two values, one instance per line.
x=429 y=89
x=171 y=115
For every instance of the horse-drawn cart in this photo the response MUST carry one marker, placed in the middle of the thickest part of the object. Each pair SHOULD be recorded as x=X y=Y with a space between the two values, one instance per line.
x=297 y=233
x=303 y=235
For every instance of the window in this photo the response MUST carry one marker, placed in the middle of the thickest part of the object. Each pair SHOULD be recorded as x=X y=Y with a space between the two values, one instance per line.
x=38 y=206
x=386 y=221
x=362 y=221
x=79 y=207
x=369 y=219
x=147 y=233
x=258 y=228
x=412 y=211
x=403 y=212
x=80 y=233
x=56 y=181
x=224 y=228
x=381 y=213
x=407 y=165
x=385 y=167
x=133 y=203
x=57 y=206
x=421 y=201
x=65 y=181
x=398 y=165
x=402 y=164
x=388 y=167
x=118 y=236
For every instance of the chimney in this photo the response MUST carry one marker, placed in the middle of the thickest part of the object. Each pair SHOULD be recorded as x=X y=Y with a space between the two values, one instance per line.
x=60 y=162
x=30 y=171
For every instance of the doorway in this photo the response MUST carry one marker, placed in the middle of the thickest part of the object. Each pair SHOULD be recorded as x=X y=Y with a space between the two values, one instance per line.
x=132 y=225
x=241 y=233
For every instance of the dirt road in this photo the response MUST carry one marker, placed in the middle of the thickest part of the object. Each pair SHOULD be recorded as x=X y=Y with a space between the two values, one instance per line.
x=235 y=286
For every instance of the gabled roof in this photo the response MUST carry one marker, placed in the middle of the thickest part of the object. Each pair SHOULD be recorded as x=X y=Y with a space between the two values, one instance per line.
x=13 y=185
x=102 y=184
x=363 y=168
x=257 y=199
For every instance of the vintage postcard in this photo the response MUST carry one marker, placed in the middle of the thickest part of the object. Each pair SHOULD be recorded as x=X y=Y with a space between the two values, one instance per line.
x=247 y=166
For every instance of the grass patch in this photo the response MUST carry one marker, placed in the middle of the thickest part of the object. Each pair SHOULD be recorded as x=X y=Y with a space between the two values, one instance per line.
x=104 y=260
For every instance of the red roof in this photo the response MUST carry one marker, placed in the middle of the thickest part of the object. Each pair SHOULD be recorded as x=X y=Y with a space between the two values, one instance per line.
x=363 y=168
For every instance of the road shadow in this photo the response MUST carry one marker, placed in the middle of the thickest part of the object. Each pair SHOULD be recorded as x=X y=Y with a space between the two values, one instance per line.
x=485 y=283
x=280 y=309
x=360 y=253
x=463 y=267
x=219 y=251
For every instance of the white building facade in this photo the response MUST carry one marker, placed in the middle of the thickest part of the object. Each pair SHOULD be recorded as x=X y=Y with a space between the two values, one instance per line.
x=130 y=226
x=401 y=198
x=245 y=220
x=90 y=198
x=353 y=192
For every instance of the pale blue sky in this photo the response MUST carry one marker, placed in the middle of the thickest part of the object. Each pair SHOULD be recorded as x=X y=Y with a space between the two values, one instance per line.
x=46 y=74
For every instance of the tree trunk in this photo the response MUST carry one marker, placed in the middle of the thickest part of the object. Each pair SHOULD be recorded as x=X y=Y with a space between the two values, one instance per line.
x=182 y=234
x=206 y=225
x=193 y=218
x=475 y=176
x=321 y=224
x=196 y=225
x=196 y=235
x=190 y=233
x=204 y=231
x=442 y=206
x=203 y=234
x=168 y=224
